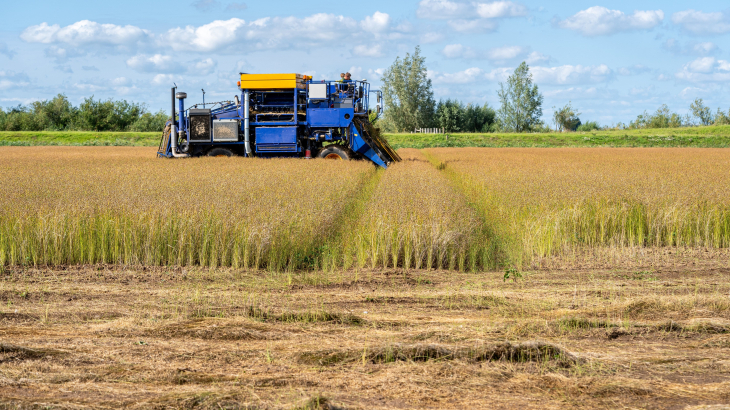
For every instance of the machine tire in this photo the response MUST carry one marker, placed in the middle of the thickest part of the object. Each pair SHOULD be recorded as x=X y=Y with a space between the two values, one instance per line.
x=335 y=152
x=220 y=152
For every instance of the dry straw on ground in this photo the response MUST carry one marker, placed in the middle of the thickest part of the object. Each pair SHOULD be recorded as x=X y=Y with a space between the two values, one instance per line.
x=201 y=338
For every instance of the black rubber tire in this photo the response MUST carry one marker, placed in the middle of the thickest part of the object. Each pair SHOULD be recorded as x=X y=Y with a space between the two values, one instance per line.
x=335 y=152
x=220 y=152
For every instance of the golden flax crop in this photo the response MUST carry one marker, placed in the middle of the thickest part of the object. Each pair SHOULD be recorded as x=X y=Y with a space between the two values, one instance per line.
x=96 y=205
x=545 y=202
x=466 y=209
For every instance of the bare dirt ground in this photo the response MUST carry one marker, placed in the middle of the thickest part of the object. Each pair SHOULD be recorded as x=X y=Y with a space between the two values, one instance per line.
x=640 y=336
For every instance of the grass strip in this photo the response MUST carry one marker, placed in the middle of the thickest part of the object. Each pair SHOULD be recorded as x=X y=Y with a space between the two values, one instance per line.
x=698 y=137
x=78 y=138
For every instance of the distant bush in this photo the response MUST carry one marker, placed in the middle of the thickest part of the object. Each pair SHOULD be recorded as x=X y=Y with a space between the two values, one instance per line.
x=662 y=118
x=58 y=114
x=566 y=118
x=721 y=118
x=589 y=126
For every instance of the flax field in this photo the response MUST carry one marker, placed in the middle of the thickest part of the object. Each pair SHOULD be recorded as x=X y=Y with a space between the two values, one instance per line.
x=474 y=278
x=464 y=209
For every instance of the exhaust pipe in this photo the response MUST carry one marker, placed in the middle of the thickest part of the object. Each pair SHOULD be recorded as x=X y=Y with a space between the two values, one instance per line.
x=246 y=123
x=173 y=131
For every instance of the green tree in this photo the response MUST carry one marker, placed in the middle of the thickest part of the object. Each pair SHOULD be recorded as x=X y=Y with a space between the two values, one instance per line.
x=56 y=114
x=150 y=122
x=566 y=118
x=407 y=94
x=478 y=119
x=449 y=115
x=720 y=118
x=109 y=115
x=454 y=116
x=521 y=101
x=701 y=112
x=92 y=115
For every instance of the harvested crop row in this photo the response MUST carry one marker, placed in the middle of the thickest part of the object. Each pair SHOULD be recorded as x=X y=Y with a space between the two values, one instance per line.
x=546 y=202
x=94 y=205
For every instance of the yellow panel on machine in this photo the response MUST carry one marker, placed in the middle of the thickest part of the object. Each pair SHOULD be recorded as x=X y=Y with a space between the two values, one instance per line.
x=272 y=81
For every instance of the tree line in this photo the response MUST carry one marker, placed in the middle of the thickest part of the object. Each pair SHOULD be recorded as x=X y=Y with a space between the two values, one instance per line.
x=409 y=103
x=58 y=114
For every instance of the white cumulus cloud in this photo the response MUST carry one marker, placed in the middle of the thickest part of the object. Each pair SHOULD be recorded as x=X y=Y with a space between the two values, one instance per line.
x=447 y=9
x=11 y=79
x=84 y=32
x=499 y=9
x=536 y=57
x=698 y=22
x=161 y=79
x=600 y=21
x=207 y=37
x=270 y=33
x=458 y=51
x=155 y=63
x=202 y=67
x=702 y=65
x=494 y=54
x=470 y=16
x=62 y=54
x=469 y=75
x=166 y=64
x=377 y=23
x=571 y=74
x=505 y=53
x=443 y=9
x=692 y=48
x=499 y=74
x=705 y=69
x=362 y=50
x=231 y=35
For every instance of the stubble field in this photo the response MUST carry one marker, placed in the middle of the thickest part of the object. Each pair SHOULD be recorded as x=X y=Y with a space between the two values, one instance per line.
x=459 y=278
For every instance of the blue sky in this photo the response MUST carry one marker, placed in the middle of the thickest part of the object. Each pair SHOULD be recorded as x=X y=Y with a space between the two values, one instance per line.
x=613 y=60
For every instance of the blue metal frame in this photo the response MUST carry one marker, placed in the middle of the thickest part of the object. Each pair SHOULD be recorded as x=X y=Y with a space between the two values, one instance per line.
x=329 y=120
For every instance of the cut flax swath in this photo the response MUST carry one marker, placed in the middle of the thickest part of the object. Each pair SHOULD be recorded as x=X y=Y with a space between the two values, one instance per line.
x=23 y=353
x=530 y=351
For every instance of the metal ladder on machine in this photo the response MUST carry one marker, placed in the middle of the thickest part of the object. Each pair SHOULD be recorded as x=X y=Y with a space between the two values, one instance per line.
x=164 y=149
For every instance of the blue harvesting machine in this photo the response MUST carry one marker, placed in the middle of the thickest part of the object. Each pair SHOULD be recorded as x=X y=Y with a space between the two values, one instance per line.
x=281 y=115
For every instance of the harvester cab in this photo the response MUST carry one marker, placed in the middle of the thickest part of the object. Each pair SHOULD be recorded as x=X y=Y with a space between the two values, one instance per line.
x=281 y=115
